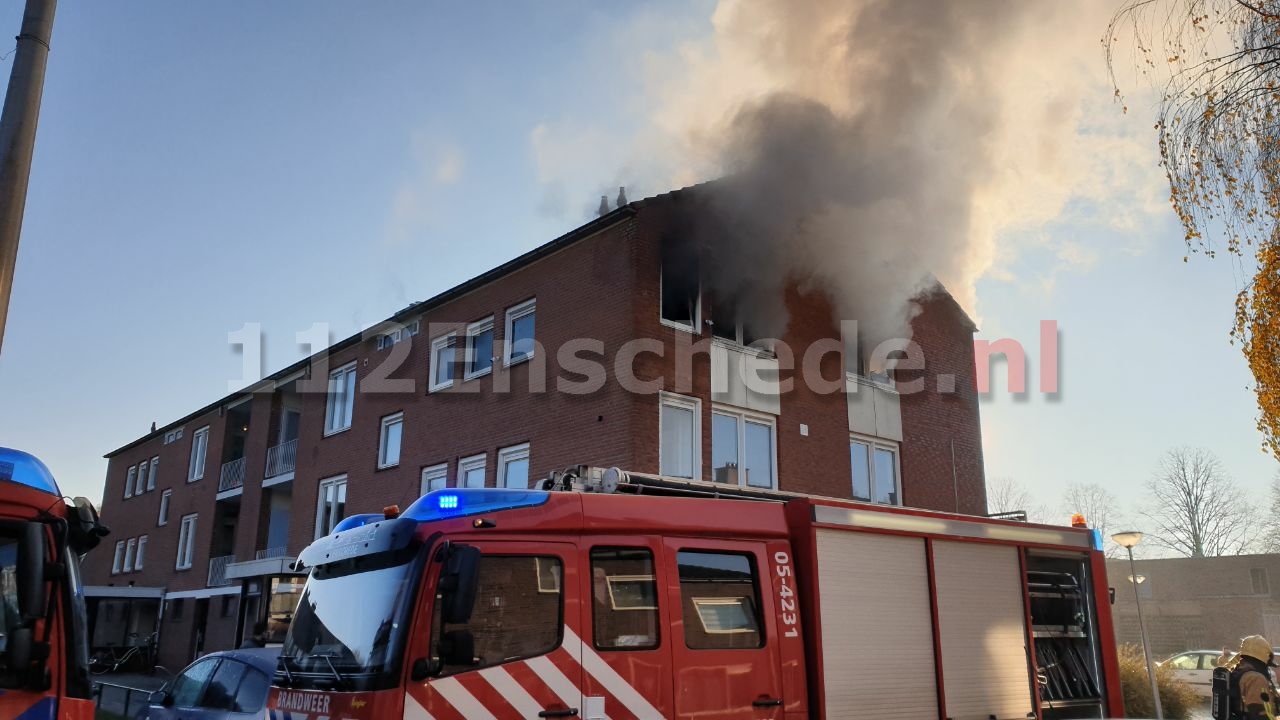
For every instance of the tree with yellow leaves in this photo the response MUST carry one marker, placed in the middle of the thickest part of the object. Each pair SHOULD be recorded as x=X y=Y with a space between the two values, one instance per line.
x=1216 y=65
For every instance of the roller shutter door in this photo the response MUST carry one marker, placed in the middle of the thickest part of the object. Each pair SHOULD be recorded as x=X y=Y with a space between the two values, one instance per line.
x=982 y=628
x=877 y=629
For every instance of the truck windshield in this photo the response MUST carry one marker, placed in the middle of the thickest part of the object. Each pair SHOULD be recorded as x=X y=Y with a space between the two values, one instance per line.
x=348 y=631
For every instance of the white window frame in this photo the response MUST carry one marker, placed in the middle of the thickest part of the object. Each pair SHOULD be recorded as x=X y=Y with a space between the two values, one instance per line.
x=514 y=313
x=129 y=549
x=117 y=561
x=129 y=481
x=700 y=602
x=743 y=417
x=141 y=554
x=683 y=402
x=332 y=424
x=696 y=327
x=166 y=498
x=476 y=328
x=514 y=453
x=155 y=470
x=400 y=334
x=444 y=343
x=384 y=426
x=434 y=474
x=173 y=436
x=144 y=472
x=200 y=450
x=335 y=482
x=466 y=464
x=874 y=444
x=186 y=542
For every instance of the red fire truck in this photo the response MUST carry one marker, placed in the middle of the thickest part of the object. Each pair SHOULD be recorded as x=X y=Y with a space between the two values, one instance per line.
x=614 y=595
x=43 y=656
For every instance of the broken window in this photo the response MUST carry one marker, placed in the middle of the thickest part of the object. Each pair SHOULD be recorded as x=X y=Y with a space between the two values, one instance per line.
x=728 y=322
x=680 y=284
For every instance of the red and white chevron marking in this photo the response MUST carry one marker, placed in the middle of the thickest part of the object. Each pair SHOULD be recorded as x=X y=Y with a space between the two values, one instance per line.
x=524 y=688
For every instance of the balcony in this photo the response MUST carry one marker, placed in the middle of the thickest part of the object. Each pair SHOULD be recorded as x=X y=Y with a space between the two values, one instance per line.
x=232 y=477
x=270 y=553
x=282 y=459
x=218 y=570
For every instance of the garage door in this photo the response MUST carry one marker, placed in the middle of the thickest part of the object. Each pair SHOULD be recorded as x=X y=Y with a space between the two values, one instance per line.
x=982 y=628
x=877 y=636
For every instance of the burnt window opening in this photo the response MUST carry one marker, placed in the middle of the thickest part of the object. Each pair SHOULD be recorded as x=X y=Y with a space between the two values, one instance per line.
x=680 y=287
x=728 y=323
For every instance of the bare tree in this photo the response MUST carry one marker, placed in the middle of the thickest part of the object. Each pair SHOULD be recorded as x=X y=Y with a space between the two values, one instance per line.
x=1007 y=495
x=1271 y=526
x=1097 y=505
x=1196 y=509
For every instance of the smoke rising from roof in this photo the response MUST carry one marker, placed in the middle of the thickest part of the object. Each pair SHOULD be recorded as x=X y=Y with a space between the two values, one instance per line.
x=870 y=146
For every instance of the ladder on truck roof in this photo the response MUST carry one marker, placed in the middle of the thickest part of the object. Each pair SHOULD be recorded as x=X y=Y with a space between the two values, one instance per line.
x=613 y=480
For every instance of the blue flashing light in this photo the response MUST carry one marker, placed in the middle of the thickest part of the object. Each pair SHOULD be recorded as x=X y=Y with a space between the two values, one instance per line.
x=1097 y=540
x=461 y=502
x=355 y=521
x=26 y=469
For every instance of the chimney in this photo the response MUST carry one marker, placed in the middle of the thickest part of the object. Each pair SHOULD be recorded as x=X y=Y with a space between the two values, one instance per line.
x=604 y=205
x=153 y=426
x=622 y=196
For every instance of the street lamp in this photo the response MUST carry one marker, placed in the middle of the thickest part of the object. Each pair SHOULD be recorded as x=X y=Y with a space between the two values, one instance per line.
x=1127 y=540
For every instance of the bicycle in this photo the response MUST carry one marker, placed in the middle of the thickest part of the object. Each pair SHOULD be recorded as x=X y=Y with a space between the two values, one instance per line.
x=132 y=658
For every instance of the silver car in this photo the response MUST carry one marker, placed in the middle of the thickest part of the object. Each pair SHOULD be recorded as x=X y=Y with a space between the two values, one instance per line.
x=1195 y=668
x=227 y=685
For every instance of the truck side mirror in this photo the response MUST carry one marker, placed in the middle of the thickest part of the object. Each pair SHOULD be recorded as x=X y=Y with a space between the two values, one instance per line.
x=458 y=647
x=458 y=584
x=32 y=557
x=85 y=528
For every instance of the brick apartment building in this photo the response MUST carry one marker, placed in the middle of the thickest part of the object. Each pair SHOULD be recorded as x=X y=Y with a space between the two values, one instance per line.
x=1198 y=603
x=209 y=511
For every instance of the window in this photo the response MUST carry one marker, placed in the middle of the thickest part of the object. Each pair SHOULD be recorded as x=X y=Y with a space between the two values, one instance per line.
x=155 y=470
x=186 y=542
x=471 y=472
x=624 y=598
x=727 y=324
x=129 y=549
x=387 y=339
x=681 y=305
x=228 y=606
x=389 y=440
x=742 y=449
x=720 y=594
x=680 y=449
x=189 y=686
x=479 y=351
x=513 y=467
x=875 y=472
x=117 y=562
x=443 y=361
x=144 y=472
x=173 y=436
x=331 y=505
x=165 y=497
x=142 y=553
x=518 y=345
x=1258 y=576
x=221 y=692
x=199 y=446
x=252 y=694
x=435 y=477
x=1190 y=661
x=509 y=592
x=175 y=609
x=341 y=401
x=129 y=481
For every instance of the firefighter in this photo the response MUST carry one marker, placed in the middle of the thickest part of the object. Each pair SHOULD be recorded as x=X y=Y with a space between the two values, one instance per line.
x=1252 y=677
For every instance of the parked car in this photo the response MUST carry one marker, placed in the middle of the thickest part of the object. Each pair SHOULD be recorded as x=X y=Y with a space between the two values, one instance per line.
x=1195 y=668
x=227 y=685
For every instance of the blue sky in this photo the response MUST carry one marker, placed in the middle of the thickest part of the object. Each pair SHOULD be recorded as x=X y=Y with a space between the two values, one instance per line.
x=203 y=166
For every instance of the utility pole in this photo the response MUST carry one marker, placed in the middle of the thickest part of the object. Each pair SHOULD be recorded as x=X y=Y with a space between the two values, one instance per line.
x=18 y=135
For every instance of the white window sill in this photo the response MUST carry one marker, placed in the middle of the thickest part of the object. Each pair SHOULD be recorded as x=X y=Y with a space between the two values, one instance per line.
x=473 y=376
x=438 y=388
x=389 y=465
x=509 y=362
x=336 y=431
x=195 y=479
x=746 y=349
x=679 y=326
x=179 y=568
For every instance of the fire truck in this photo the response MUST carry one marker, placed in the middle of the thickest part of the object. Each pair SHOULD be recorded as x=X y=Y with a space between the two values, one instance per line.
x=613 y=595
x=43 y=653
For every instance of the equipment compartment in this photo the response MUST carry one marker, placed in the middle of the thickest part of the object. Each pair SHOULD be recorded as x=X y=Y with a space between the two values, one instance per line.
x=1062 y=624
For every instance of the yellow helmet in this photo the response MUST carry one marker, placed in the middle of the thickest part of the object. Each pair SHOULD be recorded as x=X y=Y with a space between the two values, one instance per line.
x=1256 y=646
